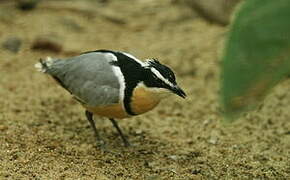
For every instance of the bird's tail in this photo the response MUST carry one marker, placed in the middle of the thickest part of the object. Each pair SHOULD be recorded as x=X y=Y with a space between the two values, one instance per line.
x=43 y=65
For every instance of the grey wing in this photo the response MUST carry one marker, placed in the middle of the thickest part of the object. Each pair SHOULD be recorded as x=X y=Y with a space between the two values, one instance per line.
x=89 y=77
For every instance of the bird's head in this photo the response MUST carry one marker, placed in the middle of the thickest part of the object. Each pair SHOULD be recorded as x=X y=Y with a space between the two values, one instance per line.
x=161 y=78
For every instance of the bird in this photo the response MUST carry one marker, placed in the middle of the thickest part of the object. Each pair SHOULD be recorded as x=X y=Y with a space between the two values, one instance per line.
x=112 y=84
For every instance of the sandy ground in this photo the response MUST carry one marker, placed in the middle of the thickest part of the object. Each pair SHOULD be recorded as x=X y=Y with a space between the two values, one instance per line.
x=44 y=133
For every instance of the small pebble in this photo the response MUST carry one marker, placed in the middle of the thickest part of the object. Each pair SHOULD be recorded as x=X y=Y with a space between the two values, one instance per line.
x=213 y=140
x=195 y=171
x=2 y=127
x=47 y=43
x=173 y=157
x=26 y=5
x=12 y=44
x=138 y=132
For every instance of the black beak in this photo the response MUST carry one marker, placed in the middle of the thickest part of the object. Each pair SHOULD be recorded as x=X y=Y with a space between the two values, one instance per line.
x=178 y=91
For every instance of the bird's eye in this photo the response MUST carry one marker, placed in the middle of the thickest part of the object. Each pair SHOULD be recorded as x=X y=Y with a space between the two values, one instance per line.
x=171 y=77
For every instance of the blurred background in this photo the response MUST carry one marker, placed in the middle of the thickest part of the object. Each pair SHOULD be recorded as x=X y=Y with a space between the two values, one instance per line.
x=44 y=133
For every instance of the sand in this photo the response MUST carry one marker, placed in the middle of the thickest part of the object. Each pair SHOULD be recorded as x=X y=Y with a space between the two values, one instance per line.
x=44 y=133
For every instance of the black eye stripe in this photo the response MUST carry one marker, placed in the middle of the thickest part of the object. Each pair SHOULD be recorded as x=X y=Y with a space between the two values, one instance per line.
x=163 y=70
x=168 y=74
x=167 y=79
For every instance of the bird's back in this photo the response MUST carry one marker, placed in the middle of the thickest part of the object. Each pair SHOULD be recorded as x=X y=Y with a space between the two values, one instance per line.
x=89 y=77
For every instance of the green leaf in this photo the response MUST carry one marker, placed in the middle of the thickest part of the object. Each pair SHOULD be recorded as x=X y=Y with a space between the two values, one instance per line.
x=256 y=55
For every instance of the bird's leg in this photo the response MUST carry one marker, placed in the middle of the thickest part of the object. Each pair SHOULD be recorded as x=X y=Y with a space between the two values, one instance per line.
x=125 y=140
x=100 y=141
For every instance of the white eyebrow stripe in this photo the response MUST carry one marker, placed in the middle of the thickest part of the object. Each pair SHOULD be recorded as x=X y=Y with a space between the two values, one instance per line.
x=133 y=57
x=157 y=73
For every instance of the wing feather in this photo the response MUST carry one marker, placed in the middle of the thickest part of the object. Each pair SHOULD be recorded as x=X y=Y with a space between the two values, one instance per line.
x=89 y=77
